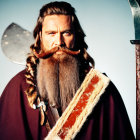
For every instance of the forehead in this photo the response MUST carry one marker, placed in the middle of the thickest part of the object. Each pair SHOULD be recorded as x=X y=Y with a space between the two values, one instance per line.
x=57 y=21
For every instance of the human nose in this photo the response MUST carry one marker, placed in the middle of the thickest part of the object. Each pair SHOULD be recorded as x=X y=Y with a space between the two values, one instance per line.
x=59 y=40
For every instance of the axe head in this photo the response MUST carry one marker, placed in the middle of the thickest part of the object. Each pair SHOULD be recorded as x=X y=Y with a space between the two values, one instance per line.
x=135 y=8
x=15 y=43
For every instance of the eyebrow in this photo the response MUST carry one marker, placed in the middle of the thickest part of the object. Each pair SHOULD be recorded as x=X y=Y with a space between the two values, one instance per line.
x=55 y=31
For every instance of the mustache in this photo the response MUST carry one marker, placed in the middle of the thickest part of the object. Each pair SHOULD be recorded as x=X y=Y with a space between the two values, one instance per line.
x=47 y=54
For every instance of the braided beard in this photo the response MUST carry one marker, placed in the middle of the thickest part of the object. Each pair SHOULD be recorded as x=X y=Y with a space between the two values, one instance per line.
x=58 y=79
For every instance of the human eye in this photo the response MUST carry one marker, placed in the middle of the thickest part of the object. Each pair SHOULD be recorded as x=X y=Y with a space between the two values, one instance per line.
x=67 y=33
x=51 y=33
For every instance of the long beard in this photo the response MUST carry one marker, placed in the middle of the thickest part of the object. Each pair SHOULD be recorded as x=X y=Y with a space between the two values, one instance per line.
x=58 y=79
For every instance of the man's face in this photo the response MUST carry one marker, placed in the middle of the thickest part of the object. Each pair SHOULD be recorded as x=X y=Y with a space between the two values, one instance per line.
x=61 y=66
x=57 y=30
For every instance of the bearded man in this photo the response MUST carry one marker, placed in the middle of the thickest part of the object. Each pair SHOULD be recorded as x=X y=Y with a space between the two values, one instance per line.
x=36 y=98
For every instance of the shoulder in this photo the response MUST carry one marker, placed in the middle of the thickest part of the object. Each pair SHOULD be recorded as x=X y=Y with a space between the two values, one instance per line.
x=19 y=76
x=17 y=83
x=112 y=91
x=112 y=98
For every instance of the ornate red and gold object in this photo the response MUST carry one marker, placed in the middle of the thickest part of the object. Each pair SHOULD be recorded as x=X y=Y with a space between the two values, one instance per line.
x=81 y=106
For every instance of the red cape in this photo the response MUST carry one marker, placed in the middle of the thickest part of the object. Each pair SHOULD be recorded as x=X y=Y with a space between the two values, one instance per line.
x=108 y=121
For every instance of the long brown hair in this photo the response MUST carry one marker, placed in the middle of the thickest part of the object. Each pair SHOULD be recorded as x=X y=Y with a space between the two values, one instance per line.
x=55 y=8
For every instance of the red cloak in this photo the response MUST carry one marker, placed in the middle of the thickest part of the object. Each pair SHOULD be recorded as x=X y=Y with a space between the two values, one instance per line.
x=108 y=120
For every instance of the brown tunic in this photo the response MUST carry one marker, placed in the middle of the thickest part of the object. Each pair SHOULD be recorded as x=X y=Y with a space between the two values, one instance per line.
x=108 y=121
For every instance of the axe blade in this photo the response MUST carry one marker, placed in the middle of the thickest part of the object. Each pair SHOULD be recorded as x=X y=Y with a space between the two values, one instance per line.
x=15 y=43
x=135 y=8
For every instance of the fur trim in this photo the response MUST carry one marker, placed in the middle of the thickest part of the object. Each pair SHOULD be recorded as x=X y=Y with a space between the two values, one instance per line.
x=81 y=106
